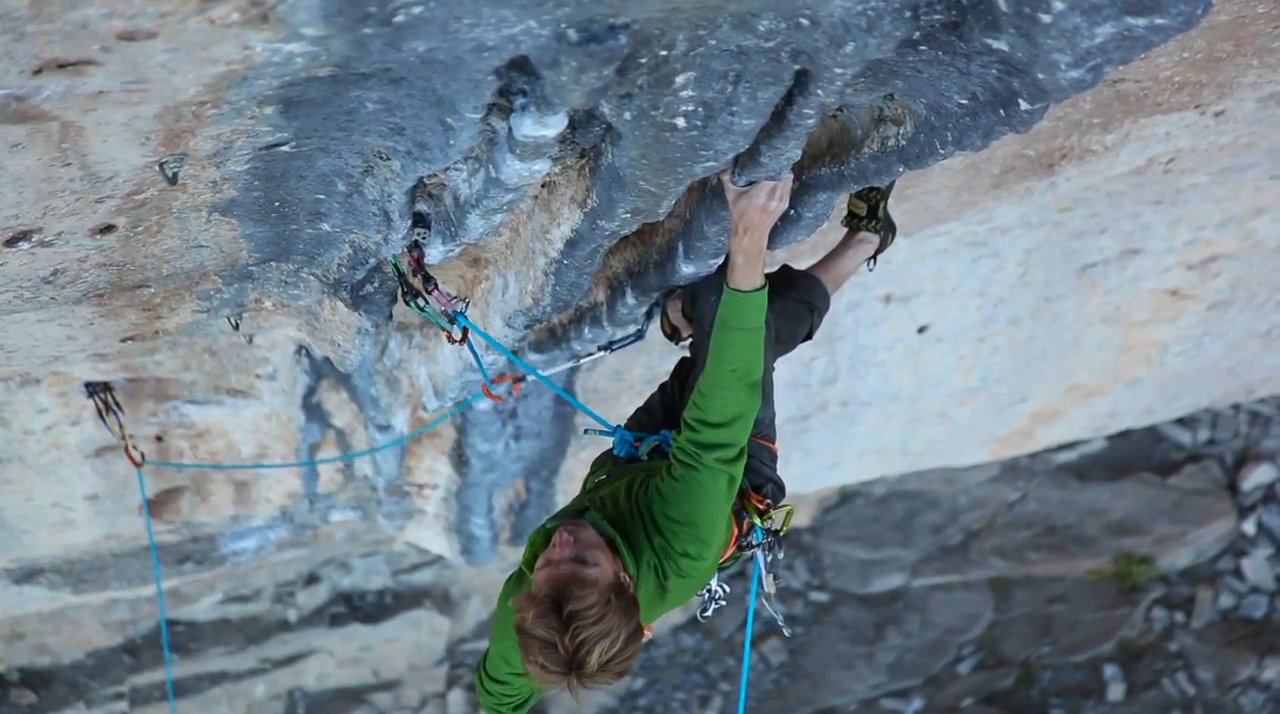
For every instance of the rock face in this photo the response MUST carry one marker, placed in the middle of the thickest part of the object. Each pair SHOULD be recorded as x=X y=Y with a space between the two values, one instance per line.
x=1022 y=310
x=538 y=153
x=360 y=622
x=348 y=130
x=175 y=168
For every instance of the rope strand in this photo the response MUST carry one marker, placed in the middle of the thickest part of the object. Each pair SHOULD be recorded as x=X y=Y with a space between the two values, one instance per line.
x=157 y=577
x=454 y=409
x=475 y=355
x=502 y=349
x=746 y=639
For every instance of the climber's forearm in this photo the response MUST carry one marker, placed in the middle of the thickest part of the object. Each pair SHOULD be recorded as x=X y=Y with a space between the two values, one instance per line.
x=753 y=211
x=836 y=267
x=745 y=271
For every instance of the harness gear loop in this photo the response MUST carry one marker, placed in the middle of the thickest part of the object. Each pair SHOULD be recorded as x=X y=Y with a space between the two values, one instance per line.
x=109 y=410
x=515 y=381
x=758 y=528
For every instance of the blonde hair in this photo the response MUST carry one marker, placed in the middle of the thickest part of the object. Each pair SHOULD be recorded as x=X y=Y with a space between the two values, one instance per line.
x=580 y=635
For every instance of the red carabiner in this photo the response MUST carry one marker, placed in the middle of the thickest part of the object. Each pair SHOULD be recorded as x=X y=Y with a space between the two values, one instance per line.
x=514 y=380
x=136 y=456
x=466 y=334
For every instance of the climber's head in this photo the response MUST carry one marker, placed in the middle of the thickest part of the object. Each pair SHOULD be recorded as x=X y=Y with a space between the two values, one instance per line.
x=579 y=624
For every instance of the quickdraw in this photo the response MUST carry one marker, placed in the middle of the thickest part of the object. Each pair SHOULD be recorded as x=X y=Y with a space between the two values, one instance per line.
x=449 y=304
x=442 y=309
x=602 y=350
x=430 y=301
x=111 y=414
x=759 y=528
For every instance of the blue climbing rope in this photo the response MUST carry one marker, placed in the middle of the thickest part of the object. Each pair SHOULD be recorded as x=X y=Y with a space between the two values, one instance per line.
x=502 y=349
x=158 y=578
x=453 y=411
x=634 y=445
x=157 y=573
x=624 y=441
x=475 y=355
x=627 y=444
x=751 y=624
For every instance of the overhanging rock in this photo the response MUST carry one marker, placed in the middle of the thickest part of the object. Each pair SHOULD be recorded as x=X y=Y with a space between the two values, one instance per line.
x=556 y=159
x=440 y=120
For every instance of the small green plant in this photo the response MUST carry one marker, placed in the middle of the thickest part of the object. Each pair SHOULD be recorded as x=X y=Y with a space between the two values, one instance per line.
x=1128 y=570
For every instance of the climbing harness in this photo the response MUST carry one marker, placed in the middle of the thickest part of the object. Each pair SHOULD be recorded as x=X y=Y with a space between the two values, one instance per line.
x=449 y=313
x=758 y=530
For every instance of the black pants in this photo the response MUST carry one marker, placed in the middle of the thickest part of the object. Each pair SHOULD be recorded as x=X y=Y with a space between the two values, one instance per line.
x=797 y=304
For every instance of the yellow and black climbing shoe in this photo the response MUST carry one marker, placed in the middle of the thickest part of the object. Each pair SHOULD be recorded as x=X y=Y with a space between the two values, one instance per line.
x=868 y=210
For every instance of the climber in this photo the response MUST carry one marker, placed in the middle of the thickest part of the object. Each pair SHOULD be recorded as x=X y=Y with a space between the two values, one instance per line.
x=798 y=301
x=643 y=536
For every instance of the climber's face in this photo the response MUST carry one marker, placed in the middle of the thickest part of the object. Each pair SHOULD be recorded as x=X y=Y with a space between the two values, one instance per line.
x=578 y=553
x=675 y=326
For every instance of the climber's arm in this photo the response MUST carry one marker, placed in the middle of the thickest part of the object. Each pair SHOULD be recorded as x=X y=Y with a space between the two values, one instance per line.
x=709 y=450
x=502 y=684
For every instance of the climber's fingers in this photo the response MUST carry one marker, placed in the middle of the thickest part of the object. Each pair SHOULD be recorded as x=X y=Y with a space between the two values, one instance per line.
x=758 y=207
x=726 y=178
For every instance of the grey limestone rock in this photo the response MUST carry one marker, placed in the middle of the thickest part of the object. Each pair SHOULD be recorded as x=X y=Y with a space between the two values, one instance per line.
x=436 y=120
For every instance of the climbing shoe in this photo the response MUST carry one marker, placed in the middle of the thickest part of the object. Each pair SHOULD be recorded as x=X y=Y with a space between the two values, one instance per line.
x=868 y=210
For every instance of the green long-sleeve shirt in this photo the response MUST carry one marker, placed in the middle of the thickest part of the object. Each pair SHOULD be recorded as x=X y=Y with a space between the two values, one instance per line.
x=668 y=519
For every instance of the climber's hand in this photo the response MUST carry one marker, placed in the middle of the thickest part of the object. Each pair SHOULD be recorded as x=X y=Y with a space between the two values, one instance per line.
x=753 y=211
